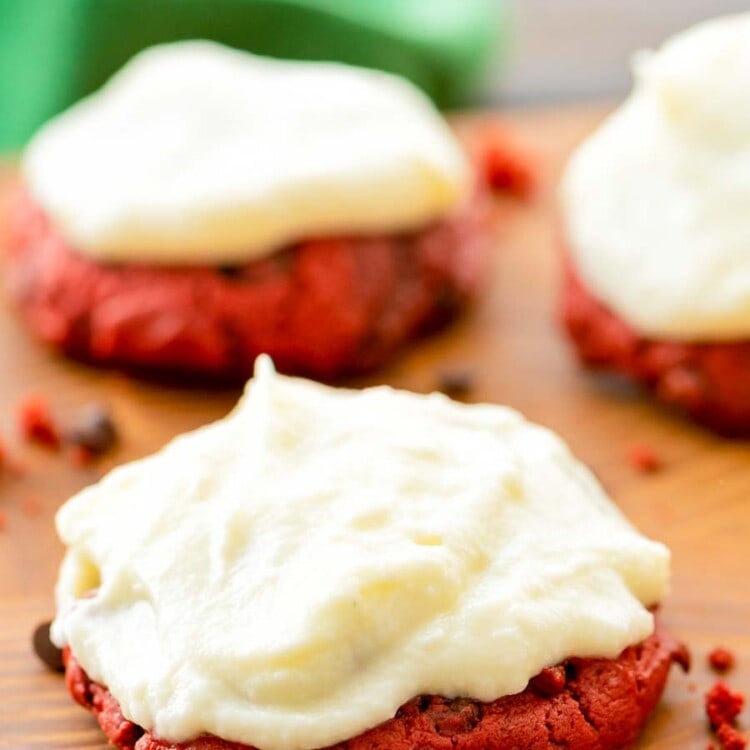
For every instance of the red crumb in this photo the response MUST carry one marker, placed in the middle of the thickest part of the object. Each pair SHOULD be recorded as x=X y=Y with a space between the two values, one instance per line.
x=3 y=521
x=81 y=456
x=2 y=454
x=642 y=458
x=731 y=738
x=30 y=506
x=505 y=167
x=506 y=172
x=721 y=659
x=550 y=681
x=35 y=422
x=723 y=705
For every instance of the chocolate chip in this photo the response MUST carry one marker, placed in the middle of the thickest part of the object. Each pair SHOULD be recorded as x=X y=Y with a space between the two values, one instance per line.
x=456 y=382
x=230 y=272
x=50 y=654
x=95 y=430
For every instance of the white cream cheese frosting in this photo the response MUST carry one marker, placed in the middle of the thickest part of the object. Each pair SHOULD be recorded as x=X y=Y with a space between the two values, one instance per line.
x=198 y=153
x=290 y=575
x=657 y=201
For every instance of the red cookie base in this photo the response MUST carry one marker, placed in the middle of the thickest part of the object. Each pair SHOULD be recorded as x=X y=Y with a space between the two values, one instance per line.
x=709 y=382
x=324 y=308
x=586 y=704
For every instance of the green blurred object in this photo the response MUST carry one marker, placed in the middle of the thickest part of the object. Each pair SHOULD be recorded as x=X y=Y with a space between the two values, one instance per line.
x=53 y=52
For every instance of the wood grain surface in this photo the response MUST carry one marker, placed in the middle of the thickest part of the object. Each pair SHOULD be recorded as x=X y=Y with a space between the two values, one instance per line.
x=699 y=503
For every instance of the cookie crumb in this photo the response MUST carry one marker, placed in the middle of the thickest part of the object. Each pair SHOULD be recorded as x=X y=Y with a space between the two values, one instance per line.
x=644 y=459
x=723 y=705
x=731 y=738
x=549 y=682
x=35 y=422
x=505 y=167
x=721 y=659
x=456 y=383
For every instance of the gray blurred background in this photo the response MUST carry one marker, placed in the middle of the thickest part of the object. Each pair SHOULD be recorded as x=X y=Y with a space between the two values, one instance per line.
x=579 y=49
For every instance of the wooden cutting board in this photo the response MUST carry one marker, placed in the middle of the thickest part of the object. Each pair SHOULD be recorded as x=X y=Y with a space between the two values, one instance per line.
x=699 y=503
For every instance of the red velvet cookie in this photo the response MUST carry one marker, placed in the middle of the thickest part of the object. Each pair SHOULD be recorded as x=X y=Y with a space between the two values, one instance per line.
x=587 y=704
x=325 y=307
x=707 y=381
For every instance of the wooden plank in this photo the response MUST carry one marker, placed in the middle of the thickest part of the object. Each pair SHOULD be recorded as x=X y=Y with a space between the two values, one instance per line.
x=698 y=504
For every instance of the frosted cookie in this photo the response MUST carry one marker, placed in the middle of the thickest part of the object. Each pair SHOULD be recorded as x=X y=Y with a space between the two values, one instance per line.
x=657 y=228
x=360 y=569
x=208 y=205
